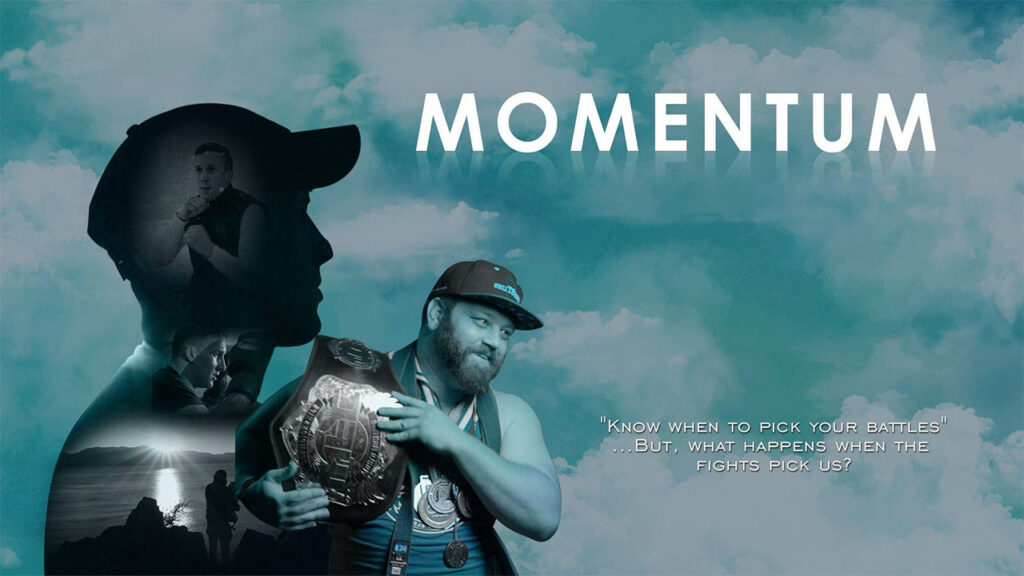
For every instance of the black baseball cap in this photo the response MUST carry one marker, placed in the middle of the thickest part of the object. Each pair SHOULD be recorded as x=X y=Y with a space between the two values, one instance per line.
x=286 y=162
x=490 y=284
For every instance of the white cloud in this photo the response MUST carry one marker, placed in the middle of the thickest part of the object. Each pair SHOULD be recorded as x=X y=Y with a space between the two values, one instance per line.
x=631 y=359
x=120 y=64
x=494 y=62
x=918 y=367
x=50 y=272
x=44 y=213
x=934 y=513
x=515 y=253
x=411 y=238
x=957 y=232
x=9 y=559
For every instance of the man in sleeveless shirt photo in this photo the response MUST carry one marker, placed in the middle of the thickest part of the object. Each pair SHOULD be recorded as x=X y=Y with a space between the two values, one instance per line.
x=462 y=479
x=221 y=226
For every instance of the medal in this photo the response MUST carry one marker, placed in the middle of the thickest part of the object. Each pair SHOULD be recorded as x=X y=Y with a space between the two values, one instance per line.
x=432 y=518
x=439 y=497
x=421 y=490
x=455 y=553
x=462 y=503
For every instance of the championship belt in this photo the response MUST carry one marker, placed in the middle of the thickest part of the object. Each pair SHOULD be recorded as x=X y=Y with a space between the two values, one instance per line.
x=329 y=429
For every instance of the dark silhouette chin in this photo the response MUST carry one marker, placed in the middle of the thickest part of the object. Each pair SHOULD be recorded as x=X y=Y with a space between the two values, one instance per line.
x=296 y=333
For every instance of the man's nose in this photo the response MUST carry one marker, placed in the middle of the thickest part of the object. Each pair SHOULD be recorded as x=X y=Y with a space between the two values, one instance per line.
x=491 y=339
x=322 y=251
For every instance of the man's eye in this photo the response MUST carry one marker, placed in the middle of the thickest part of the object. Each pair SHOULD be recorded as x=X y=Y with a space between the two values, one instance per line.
x=506 y=334
x=482 y=322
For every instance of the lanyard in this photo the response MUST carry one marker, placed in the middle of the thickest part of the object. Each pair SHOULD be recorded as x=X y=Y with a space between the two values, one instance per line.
x=468 y=420
x=401 y=537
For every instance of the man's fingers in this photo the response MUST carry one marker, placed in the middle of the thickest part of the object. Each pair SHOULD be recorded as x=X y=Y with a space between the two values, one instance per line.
x=294 y=497
x=303 y=506
x=407 y=400
x=397 y=425
x=390 y=425
x=312 y=516
x=279 y=475
x=403 y=412
x=403 y=436
x=299 y=527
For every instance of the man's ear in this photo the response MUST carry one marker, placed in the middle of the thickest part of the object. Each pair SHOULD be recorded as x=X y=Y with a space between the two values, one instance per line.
x=435 y=312
x=230 y=174
x=190 y=353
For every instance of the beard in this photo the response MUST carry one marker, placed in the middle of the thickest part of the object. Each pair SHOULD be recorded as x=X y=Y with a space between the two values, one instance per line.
x=471 y=376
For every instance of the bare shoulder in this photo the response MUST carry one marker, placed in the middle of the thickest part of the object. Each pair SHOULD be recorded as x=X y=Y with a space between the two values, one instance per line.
x=514 y=412
x=254 y=211
x=522 y=439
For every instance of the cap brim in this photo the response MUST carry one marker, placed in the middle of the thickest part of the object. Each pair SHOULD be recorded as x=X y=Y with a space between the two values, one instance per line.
x=521 y=318
x=322 y=157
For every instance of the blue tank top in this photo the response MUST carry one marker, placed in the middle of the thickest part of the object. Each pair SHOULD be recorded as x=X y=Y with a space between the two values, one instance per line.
x=363 y=549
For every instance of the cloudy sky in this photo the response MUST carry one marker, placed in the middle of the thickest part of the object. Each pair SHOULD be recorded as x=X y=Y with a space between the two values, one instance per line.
x=728 y=286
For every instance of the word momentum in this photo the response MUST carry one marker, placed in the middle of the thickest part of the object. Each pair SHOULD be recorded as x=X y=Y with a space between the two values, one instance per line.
x=715 y=114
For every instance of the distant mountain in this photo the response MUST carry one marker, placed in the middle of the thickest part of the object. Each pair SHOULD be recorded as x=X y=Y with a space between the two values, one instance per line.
x=120 y=456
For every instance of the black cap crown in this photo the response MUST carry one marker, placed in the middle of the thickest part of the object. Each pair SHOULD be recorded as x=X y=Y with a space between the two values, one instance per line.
x=490 y=284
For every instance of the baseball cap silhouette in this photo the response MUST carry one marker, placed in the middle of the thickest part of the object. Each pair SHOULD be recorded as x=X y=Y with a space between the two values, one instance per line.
x=287 y=162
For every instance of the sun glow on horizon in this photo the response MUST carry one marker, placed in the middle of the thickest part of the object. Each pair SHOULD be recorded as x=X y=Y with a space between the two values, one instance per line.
x=165 y=445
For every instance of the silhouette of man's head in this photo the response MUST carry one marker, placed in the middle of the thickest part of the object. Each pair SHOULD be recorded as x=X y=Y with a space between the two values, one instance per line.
x=159 y=165
x=221 y=477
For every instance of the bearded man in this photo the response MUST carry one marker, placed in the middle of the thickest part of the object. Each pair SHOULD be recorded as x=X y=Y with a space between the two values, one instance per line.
x=467 y=323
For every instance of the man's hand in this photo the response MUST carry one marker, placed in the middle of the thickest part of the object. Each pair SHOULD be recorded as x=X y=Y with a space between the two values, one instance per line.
x=198 y=239
x=417 y=421
x=294 y=510
x=192 y=207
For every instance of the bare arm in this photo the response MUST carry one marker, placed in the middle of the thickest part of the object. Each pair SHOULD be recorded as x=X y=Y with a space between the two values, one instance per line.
x=237 y=268
x=169 y=236
x=519 y=486
x=166 y=241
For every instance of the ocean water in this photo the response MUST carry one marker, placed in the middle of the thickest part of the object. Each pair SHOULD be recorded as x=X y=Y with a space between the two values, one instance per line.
x=88 y=499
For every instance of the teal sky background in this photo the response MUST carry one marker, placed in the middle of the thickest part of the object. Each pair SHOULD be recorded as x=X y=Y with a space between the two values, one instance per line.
x=727 y=286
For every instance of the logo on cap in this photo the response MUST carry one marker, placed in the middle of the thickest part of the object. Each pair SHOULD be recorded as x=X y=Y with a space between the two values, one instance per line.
x=510 y=290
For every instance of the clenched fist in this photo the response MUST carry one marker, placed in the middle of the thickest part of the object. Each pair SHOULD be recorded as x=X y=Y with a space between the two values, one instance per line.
x=198 y=239
x=192 y=208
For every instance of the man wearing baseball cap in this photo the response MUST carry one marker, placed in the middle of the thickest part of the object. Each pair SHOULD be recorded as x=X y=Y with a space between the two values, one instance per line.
x=476 y=455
